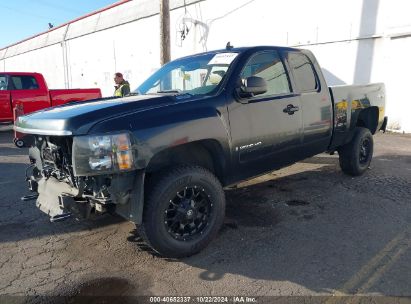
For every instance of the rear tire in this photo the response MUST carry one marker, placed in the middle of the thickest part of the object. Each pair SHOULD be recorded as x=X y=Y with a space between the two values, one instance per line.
x=355 y=157
x=184 y=211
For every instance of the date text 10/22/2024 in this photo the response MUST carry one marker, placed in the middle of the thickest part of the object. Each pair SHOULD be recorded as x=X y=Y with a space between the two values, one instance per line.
x=205 y=299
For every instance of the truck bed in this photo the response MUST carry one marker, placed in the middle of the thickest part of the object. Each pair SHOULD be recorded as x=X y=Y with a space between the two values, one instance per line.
x=63 y=96
x=348 y=101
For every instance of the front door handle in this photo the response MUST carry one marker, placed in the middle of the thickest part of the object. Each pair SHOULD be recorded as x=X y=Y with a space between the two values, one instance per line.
x=290 y=109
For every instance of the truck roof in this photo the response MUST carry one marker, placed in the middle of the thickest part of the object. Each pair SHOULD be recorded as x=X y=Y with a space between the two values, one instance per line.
x=21 y=73
x=244 y=49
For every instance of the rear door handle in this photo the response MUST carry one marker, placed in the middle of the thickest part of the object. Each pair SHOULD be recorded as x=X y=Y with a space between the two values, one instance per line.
x=290 y=109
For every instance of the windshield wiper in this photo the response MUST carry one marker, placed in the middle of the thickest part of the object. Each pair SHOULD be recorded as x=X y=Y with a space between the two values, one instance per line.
x=169 y=91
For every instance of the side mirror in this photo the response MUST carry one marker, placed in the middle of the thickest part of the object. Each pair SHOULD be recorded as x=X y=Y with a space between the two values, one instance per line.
x=254 y=86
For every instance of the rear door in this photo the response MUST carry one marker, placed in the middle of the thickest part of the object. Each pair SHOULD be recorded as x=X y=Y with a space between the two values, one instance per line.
x=316 y=107
x=266 y=128
x=6 y=114
x=29 y=92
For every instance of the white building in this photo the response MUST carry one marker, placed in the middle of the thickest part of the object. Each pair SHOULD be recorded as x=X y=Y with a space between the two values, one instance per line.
x=355 y=41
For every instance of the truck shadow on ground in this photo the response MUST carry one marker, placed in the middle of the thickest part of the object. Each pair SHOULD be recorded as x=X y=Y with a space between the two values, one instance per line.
x=318 y=229
x=112 y=289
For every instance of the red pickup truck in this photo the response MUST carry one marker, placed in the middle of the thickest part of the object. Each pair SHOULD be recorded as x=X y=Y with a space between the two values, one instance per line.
x=24 y=93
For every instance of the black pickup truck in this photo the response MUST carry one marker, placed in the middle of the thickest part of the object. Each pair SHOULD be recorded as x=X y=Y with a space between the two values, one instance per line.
x=161 y=156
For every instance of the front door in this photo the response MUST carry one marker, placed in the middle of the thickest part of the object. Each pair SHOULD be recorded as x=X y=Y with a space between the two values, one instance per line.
x=265 y=129
x=6 y=114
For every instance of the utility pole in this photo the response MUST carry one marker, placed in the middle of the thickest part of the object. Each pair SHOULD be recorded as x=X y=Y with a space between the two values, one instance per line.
x=164 y=31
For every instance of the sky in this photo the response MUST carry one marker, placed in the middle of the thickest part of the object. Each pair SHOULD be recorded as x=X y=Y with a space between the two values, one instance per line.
x=21 y=19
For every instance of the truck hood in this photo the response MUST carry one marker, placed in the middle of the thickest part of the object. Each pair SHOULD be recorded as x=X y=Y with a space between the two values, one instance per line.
x=77 y=118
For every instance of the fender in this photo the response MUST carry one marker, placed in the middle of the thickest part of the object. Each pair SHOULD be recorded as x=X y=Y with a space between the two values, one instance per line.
x=173 y=125
x=169 y=127
x=353 y=107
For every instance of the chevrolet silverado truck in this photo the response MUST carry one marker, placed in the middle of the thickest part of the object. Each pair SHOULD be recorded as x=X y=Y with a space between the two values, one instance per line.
x=162 y=156
x=28 y=92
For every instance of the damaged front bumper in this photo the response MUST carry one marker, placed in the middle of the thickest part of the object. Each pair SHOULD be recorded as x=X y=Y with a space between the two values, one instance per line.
x=122 y=194
x=55 y=198
x=66 y=182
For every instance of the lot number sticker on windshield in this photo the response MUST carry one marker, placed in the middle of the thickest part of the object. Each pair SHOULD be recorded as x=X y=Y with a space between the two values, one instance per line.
x=223 y=58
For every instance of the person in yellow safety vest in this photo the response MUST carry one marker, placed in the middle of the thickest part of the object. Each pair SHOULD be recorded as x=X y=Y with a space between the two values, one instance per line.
x=122 y=87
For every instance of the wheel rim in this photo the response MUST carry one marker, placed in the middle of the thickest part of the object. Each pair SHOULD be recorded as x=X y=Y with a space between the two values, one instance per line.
x=188 y=213
x=365 y=149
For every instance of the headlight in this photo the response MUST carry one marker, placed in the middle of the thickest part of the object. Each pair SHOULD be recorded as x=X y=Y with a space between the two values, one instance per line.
x=102 y=154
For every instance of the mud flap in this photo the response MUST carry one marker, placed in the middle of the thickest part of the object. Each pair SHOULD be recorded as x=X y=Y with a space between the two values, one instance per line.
x=133 y=210
x=384 y=124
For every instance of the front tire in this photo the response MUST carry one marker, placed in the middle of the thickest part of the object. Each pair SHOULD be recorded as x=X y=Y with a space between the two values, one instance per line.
x=19 y=143
x=355 y=157
x=184 y=211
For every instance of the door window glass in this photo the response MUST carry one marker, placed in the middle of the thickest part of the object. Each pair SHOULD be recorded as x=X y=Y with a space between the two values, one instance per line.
x=3 y=82
x=303 y=72
x=24 y=82
x=268 y=66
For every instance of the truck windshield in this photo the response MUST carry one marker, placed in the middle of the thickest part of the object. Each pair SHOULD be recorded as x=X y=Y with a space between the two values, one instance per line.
x=196 y=75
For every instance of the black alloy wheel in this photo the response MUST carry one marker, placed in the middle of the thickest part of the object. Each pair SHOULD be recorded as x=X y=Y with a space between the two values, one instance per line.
x=188 y=213
x=183 y=212
x=365 y=151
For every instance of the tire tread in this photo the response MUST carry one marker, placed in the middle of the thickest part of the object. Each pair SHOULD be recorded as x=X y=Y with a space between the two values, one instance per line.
x=153 y=191
x=348 y=153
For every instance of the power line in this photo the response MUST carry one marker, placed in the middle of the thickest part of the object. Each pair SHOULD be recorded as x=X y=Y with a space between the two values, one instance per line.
x=58 y=6
x=17 y=10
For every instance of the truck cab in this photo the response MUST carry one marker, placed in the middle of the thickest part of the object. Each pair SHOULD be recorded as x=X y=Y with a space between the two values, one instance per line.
x=290 y=120
x=26 y=89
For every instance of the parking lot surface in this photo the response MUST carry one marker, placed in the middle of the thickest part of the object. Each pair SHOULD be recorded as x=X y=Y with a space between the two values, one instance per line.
x=304 y=230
